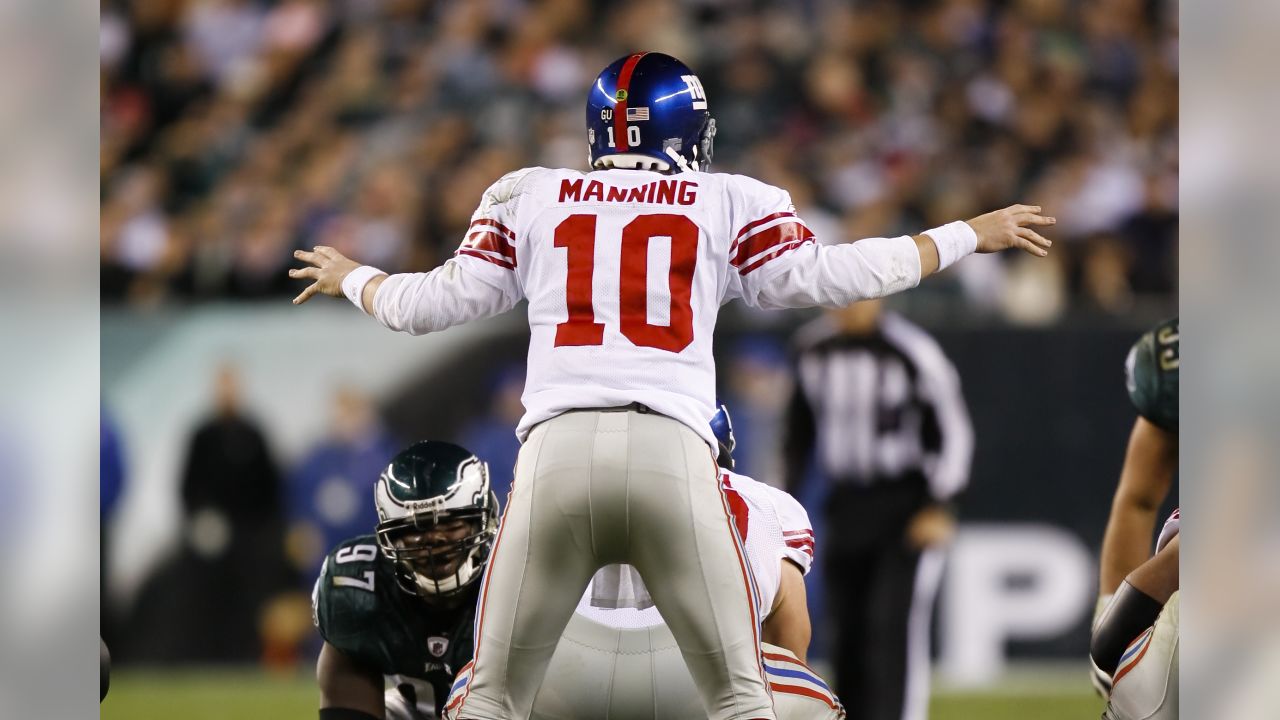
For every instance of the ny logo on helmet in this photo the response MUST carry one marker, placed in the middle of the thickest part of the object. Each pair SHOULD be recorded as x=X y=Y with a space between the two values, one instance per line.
x=695 y=91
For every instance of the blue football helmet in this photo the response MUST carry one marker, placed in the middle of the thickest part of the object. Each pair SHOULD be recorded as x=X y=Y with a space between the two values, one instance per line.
x=648 y=111
x=722 y=428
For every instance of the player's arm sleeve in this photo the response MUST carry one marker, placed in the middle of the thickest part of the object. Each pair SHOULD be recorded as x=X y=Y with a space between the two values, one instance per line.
x=782 y=266
x=813 y=275
x=480 y=280
x=948 y=441
x=797 y=530
x=452 y=294
x=799 y=435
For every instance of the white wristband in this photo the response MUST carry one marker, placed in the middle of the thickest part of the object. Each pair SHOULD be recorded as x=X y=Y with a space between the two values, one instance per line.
x=353 y=284
x=954 y=241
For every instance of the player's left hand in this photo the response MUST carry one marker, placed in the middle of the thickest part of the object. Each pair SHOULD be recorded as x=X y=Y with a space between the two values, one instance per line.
x=331 y=267
x=1012 y=227
x=930 y=526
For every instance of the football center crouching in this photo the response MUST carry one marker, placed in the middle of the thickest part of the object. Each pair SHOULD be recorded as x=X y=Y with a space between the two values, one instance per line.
x=618 y=659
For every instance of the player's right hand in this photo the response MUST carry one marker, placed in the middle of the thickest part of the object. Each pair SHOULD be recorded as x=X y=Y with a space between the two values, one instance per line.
x=1012 y=228
x=330 y=268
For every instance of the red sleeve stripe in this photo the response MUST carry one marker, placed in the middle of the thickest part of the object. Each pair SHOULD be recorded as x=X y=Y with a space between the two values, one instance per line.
x=779 y=657
x=490 y=239
x=783 y=250
x=757 y=223
x=471 y=252
x=505 y=231
x=797 y=690
x=806 y=531
x=758 y=226
x=764 y=241
x=490 y=243
x=800 y=542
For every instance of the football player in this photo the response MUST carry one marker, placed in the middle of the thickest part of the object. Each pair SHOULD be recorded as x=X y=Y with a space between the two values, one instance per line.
x=625 y=268
x=1135 y=640
x=618 y=659
x=398 y=607
x=1151 y=376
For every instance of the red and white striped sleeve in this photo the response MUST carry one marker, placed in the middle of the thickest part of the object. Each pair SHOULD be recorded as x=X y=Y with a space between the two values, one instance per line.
x=489 y=247
x=491 y=241
x=479 y=281
x=767 y=238
x=797 y=531
x=780 y=264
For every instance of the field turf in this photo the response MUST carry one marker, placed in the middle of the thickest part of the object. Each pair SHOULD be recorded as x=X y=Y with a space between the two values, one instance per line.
x=249 y=695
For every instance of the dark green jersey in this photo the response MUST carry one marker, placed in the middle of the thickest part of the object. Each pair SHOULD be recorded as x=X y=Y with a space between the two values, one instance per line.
x=1151 y=374
x=361 y=611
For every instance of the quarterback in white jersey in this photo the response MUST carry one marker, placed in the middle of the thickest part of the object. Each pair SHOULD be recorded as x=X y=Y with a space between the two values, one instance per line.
x=618 y=660
x=624 y=269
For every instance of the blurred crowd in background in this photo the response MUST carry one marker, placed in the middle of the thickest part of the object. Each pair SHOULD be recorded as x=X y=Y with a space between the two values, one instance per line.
x=234 y=131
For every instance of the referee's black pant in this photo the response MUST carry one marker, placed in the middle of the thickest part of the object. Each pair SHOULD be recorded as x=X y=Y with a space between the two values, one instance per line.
x=880 y=594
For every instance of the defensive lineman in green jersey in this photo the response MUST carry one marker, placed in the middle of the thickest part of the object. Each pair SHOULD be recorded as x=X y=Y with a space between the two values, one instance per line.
x=400 y=604
x=1150 y=464
x=363 y=613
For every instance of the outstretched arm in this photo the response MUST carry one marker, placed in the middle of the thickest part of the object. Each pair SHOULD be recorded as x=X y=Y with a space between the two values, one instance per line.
x=415 y=303
x=835 y=276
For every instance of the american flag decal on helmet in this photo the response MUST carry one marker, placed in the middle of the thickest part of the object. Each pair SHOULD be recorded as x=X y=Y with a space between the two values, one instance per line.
x=637 y=113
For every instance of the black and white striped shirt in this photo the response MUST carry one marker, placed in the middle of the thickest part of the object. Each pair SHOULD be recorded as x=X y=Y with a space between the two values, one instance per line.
x=877 y=408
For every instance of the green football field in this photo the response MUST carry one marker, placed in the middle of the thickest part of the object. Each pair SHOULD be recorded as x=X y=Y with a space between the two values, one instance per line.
x=247 y=695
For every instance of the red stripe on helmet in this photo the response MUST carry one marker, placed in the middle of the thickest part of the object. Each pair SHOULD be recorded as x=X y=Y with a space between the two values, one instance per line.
x=620 y=107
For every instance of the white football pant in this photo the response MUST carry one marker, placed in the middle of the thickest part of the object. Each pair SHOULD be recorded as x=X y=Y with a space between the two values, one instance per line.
x=1145 y=685
x=595 y=487
x=604 y=673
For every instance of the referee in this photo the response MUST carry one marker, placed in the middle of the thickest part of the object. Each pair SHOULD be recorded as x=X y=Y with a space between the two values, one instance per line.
x=878 y=418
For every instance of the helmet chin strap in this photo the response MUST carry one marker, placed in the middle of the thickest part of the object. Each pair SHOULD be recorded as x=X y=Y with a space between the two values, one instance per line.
x=678 y=159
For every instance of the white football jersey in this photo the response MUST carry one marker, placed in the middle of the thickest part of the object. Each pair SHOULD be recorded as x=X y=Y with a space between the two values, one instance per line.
x=625 y=272
x=775 y=527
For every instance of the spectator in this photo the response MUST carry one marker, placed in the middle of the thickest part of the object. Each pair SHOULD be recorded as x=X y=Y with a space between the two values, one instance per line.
x=330 y=496
x=376 y=125
x=231 y=561
x=111 y=484
x=757 y=383
x=492 y=437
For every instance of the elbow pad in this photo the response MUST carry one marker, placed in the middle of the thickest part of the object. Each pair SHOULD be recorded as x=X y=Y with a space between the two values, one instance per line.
x=1130 y=613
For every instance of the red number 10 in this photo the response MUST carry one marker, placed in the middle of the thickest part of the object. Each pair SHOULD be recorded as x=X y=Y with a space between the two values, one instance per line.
x=578 y=235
